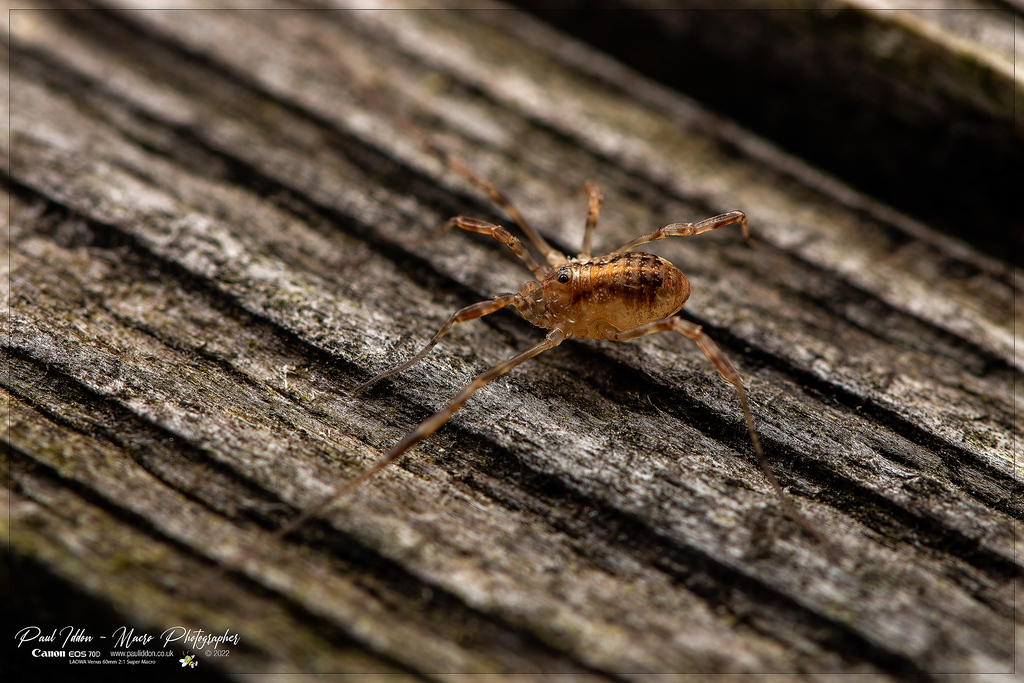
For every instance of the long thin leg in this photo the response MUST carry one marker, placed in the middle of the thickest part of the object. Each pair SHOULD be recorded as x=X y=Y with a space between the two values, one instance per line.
x=594 y=199
x=471 y=312
x=725 y=368
x=552 y=255
x=687 y=229
x=427 y=427
x=499 y=233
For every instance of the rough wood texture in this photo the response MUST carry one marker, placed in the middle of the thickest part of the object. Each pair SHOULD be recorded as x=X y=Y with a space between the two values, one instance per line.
x=217 y=230
x=905 y=99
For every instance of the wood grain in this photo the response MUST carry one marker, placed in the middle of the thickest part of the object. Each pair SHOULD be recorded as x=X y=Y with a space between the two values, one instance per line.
x=218 y=228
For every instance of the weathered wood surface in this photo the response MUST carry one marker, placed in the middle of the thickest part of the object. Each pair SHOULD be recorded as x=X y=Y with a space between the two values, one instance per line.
x=901 y=98
x=217 y=228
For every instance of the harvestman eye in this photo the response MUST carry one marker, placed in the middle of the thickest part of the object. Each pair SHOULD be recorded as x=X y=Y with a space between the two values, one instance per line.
x=629 y=294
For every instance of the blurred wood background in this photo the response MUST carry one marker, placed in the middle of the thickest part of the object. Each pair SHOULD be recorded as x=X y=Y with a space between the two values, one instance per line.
x=218 y=228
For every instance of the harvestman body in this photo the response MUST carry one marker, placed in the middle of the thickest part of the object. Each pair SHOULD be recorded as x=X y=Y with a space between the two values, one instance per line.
x=621 y=296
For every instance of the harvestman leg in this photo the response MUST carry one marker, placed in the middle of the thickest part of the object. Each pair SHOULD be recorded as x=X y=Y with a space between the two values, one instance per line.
x=725 y=368
x=435 y=421
x=476 y=310
x=551 y=254
x=594 y=199
x=471 y=312
x=499 y=233
x=687 y=229
x=428 y=426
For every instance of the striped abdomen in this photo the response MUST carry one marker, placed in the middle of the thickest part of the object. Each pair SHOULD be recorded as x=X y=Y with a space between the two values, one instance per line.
x=614 y=293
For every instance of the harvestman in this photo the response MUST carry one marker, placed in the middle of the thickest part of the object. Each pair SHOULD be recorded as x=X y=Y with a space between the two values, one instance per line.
x=621 y=296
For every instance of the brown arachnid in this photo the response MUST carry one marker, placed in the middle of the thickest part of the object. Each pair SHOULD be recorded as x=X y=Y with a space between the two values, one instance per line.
x=621 y=296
